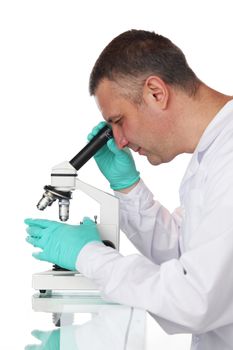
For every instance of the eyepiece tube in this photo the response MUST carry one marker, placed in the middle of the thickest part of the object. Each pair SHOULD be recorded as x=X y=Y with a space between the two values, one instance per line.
x=92 y=147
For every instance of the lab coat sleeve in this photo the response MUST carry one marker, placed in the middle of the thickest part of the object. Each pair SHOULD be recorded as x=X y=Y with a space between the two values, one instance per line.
x=148 y=225
x=191 y=294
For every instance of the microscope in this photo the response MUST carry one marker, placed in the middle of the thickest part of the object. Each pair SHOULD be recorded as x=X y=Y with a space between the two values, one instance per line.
x=63 y=182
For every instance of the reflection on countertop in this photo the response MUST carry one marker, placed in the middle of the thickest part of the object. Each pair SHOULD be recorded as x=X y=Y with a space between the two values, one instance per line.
x=86 y=321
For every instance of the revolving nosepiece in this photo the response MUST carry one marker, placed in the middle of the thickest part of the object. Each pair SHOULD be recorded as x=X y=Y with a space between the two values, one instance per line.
x=50 y=195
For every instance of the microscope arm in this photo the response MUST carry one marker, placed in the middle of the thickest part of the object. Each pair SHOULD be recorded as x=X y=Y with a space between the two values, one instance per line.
x=109 y=211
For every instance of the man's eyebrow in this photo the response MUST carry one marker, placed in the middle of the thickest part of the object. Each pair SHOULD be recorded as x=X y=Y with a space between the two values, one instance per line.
x=113 y=118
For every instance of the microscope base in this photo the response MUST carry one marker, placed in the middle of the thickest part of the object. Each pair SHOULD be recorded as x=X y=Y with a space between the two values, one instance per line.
x=62 y=280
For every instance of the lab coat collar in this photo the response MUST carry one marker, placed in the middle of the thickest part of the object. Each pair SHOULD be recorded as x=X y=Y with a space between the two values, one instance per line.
x=214 y=128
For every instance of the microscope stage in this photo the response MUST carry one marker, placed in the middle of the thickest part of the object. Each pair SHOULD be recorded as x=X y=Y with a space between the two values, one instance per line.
x=62 y=280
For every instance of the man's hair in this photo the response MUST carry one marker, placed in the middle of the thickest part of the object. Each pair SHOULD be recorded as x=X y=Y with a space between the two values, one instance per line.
x=130 y=58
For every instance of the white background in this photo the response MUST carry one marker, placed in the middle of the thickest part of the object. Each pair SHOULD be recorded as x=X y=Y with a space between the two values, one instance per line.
x=47 y=50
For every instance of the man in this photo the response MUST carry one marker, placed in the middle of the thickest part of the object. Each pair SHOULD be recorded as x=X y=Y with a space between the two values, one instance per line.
x=158 y=107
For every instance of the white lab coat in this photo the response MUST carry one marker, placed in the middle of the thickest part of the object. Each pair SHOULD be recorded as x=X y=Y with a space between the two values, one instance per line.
x=185 y=276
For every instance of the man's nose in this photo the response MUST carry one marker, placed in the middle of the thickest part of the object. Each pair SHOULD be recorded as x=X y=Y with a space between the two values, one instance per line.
x=119 y=138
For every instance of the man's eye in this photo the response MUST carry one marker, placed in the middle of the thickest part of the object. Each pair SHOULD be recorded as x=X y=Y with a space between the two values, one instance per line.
x=117 y=121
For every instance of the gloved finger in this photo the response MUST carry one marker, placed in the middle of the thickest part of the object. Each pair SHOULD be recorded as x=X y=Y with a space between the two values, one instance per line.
x=45 y=237
x=36 y=242
x=117 y=151
x=95 y=130
x=34 y=231
x=39 y=256
x=87 y=221
x=40 y=335
x=32 y=240
x=42 y=223
x=113 y=147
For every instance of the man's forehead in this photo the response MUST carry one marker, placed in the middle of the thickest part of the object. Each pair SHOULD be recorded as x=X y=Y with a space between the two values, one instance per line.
x=106 y=84
x=107 y=100
x=110 y=113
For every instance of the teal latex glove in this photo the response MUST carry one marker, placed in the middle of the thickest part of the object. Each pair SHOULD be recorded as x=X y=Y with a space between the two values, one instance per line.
x=60 y=243
x=115 y=164
x=50 y=340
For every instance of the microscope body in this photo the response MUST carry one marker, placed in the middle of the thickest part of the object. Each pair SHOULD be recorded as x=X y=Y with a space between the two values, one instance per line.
x=63 y=182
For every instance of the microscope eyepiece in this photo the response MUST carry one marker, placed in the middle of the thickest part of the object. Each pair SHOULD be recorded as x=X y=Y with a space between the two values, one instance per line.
x=92 y=147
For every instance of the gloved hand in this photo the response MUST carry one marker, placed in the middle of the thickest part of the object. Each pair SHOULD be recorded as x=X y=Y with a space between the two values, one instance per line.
x=60 y=243
x=115 y=164
x=50 y=340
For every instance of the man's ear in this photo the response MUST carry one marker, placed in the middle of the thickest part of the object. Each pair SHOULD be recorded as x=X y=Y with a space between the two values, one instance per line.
x=156 y=91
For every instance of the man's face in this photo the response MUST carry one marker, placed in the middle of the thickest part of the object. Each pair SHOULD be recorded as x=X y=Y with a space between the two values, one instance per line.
x=143 y=128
